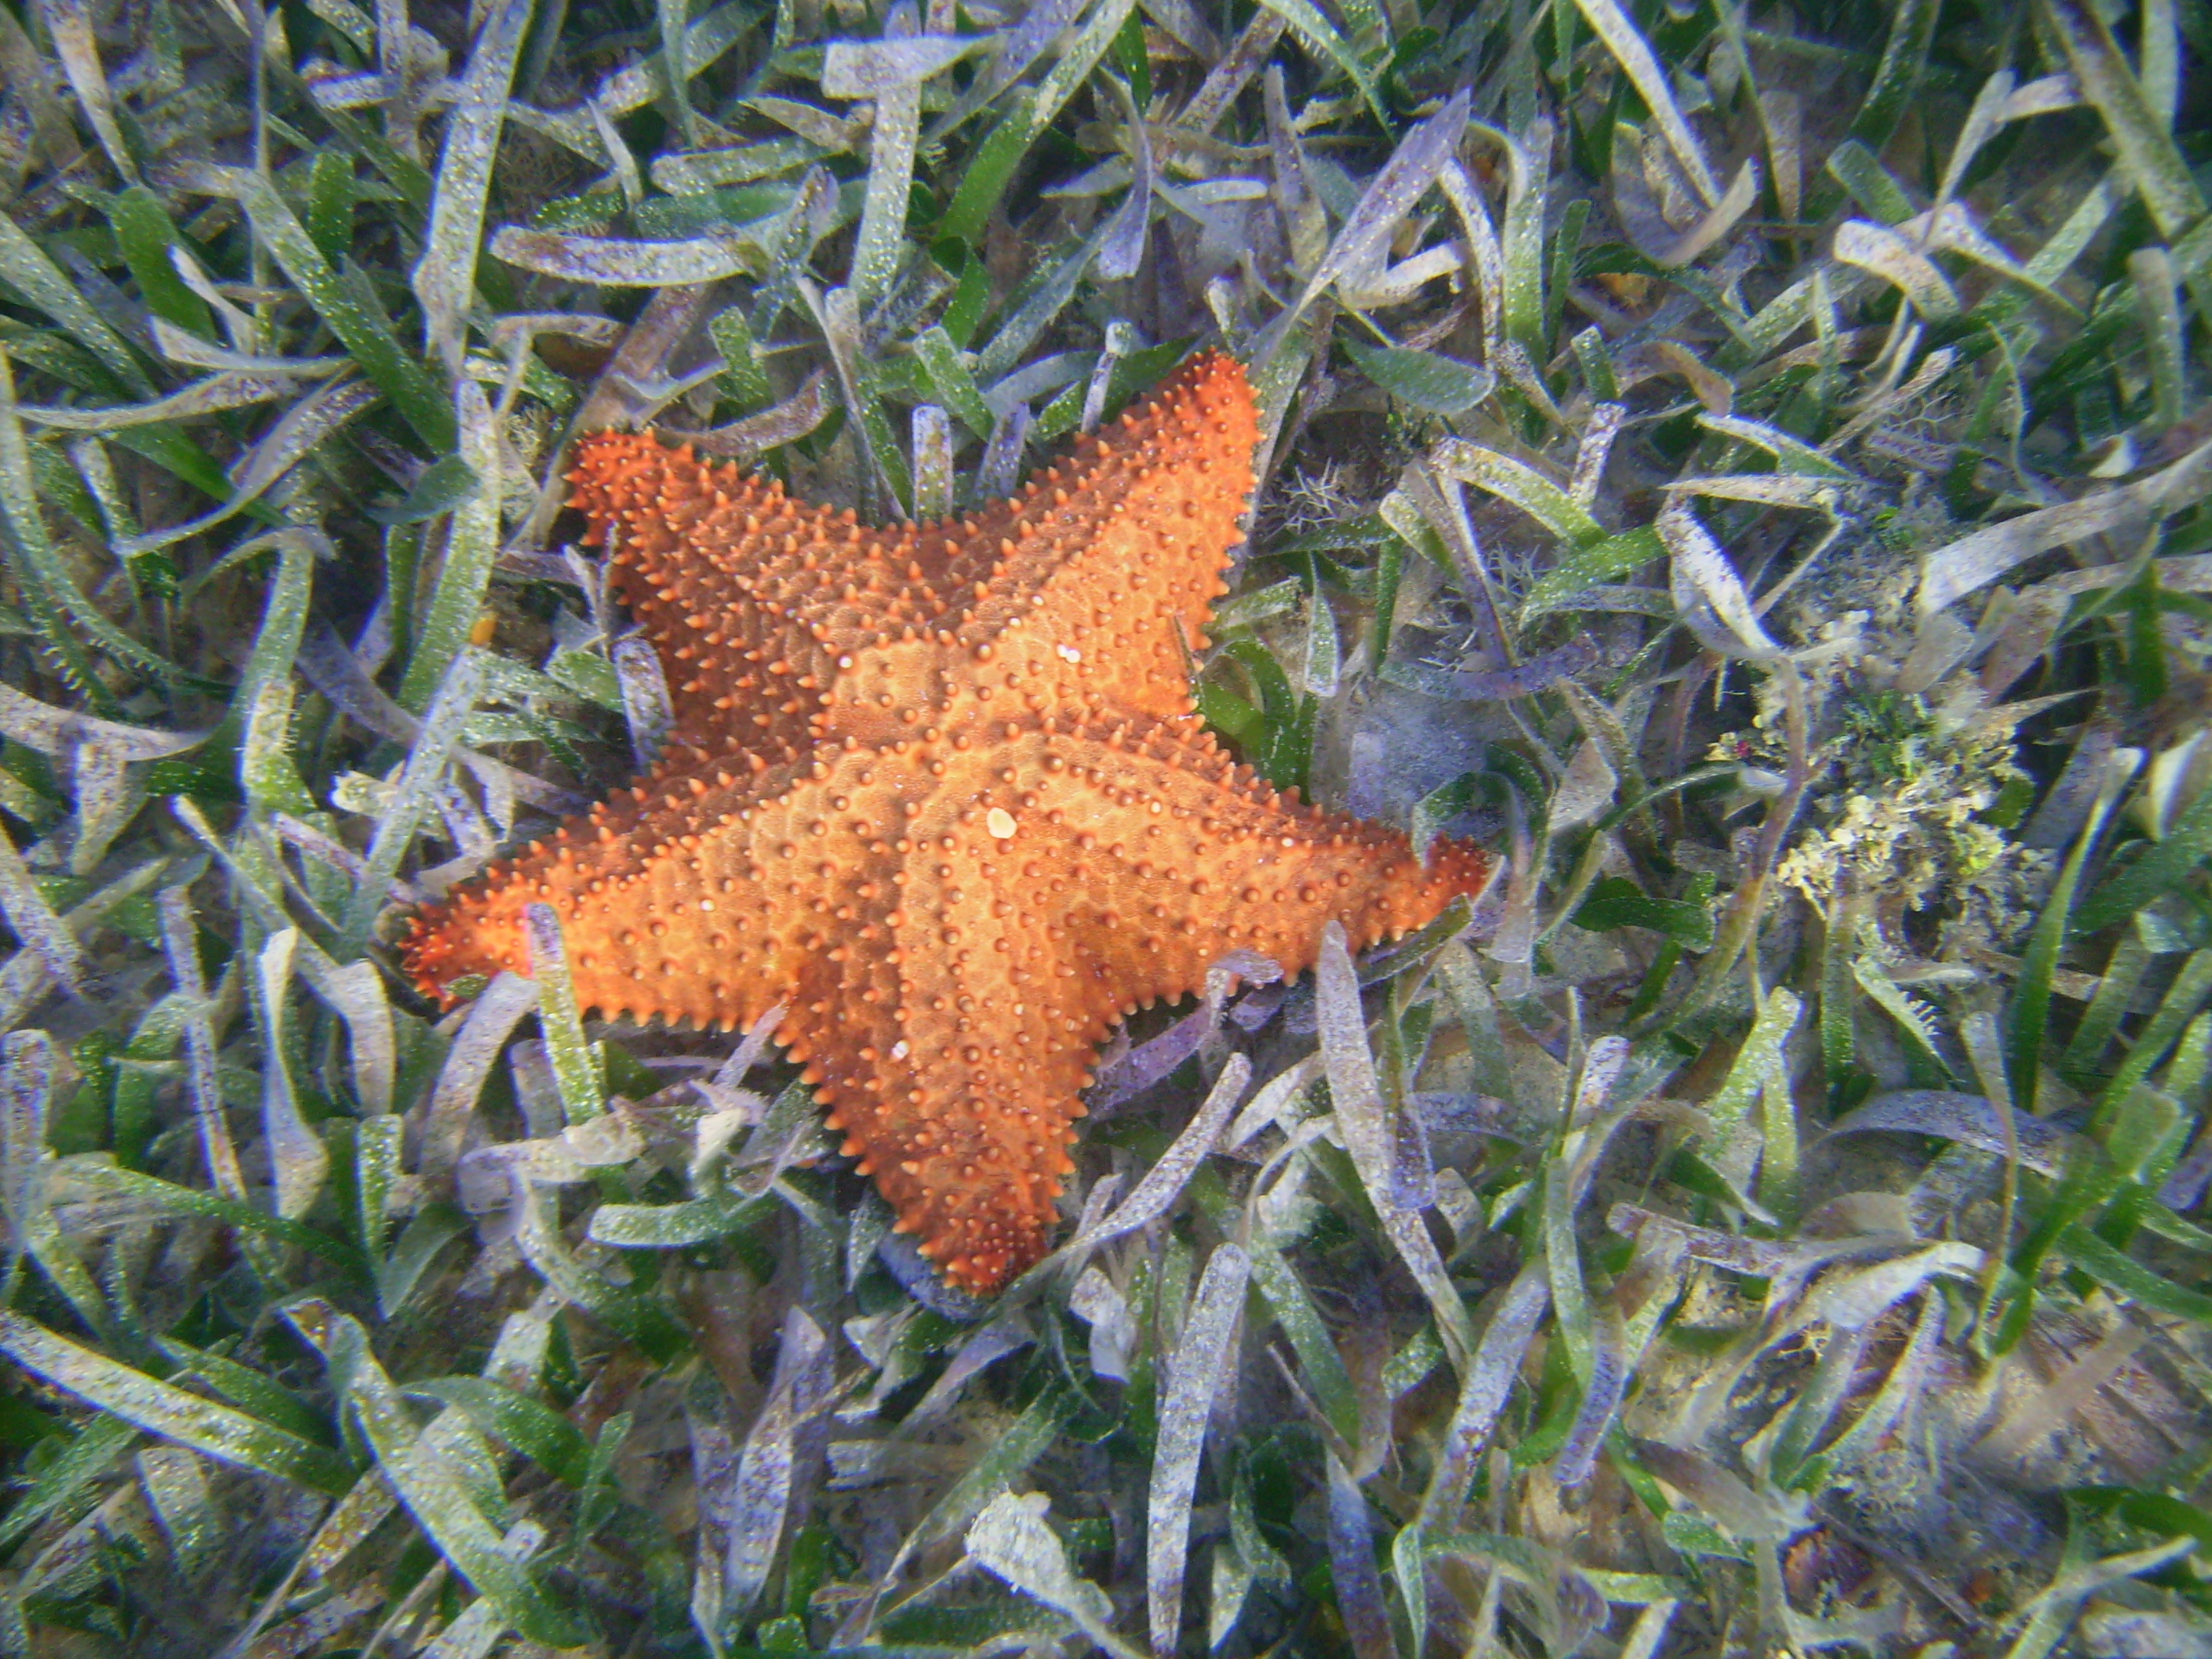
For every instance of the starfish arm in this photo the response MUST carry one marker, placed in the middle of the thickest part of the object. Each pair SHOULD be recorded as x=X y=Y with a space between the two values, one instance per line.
x=701 y=895
x=753 y=601
x=953 y=1054
x=1182 y=856
x=1109 y=562
x=670 y=522
x=956 y=1091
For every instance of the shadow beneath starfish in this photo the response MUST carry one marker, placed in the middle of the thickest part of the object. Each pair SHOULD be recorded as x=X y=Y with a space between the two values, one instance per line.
x=1127 y=1070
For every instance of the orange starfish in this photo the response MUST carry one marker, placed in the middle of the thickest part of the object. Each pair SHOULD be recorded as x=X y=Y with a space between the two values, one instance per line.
x=940 y=790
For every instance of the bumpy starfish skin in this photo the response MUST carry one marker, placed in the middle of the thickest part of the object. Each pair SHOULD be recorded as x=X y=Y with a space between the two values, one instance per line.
x=939 y=789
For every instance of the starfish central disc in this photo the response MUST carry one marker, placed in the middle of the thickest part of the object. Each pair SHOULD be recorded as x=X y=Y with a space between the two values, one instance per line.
x=940 y=790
